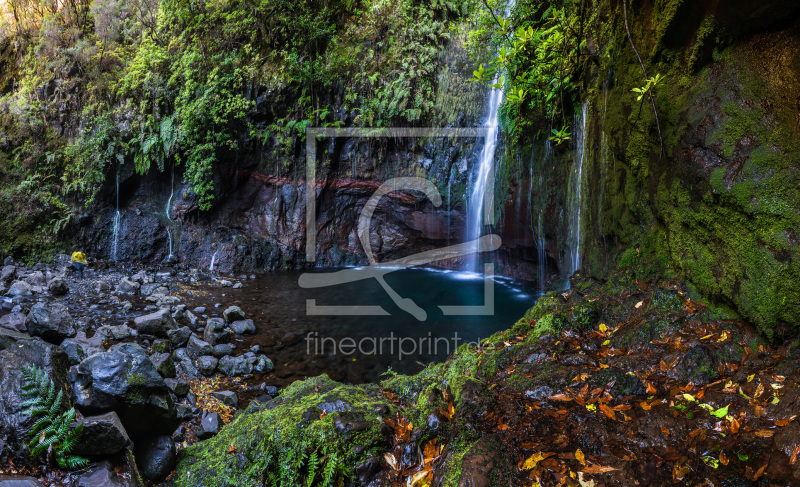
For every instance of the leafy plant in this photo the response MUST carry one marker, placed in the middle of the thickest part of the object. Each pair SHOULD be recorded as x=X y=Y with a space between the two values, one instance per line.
x=651 y=83
x=560 y=135
x=51 y=430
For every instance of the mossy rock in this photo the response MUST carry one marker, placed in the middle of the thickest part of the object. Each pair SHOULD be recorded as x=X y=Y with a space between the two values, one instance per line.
x=317 y=429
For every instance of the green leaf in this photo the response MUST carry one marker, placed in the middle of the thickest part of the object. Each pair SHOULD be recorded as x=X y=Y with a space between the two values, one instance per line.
x=721 y=412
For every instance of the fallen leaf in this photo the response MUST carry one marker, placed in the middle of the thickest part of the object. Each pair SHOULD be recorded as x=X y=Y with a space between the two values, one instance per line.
x=765 y=433
x=608 y=411
x=232 y=449
x=580 y=457
x=785 y=421
x=795 y=453
x=639 y=304
x=560 y=397
x=723 y=459
x=593 y=469
x=390 y=460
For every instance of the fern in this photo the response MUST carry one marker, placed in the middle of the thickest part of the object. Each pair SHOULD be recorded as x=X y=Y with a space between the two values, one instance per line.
x=52 y=428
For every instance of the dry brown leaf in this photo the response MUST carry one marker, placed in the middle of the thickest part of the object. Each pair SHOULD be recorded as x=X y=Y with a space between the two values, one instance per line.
x=723 y=459
x=795 y=454
x=664 y=430
x=765 y=433
x=607 y=411
x=594 y=469
x=785 y=421
x=560 y=397
x=580 y=457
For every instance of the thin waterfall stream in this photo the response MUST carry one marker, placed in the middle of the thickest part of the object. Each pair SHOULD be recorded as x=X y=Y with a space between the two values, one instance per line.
x=115 y=232
x=575 y=194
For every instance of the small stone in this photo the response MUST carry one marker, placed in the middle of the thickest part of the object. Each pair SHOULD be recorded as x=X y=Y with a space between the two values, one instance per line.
x=199 y=310
x=197 y=347
x=225 y=283
x=209 y=426
x=179 y=387
x=58 y=286
x=244 y=327
x=227 y=398
x=238 y=285
x=179 y=336
x=233 y=313
x=126 y=286
x=206 y=364
x=222 y=350
x=216 y=332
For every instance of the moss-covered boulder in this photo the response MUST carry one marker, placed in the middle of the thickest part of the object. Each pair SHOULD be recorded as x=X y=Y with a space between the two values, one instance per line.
x=316 y=429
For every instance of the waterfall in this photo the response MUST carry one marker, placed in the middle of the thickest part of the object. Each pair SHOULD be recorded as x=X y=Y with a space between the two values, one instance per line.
x=575 y=194
x=213 y=261
x=117 y=218
x=540 y=238
x=166 y=211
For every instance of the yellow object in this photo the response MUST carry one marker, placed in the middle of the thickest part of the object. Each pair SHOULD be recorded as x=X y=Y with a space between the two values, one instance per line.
x=78 y=257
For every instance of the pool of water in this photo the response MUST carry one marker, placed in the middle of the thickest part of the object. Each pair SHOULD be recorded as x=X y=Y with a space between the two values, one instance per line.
x=309 y=331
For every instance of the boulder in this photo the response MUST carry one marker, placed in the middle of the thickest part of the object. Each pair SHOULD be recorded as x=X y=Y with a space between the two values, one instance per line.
x=105 y=475
x=164 y=364
x=126 y=381
x=156 y=324
x=223 y=350
x=50 y=321
x=7 y=274
x=216 y=332
x=263 y=364
x=227 y=398
x=243 y=327
x=19 y=288
x=209 y=426
x=115 y=332
x=18 y=481
x=147 y=289
x=235 y=366
x=206 y=364
x=100 y=287
x=18 y=351
x=36 y=279
x=233 y=313
x=80 y=347
x=156 y=457
x=126 y=286
x=179 y=387
x=14 y=321
x=179 y=336
x=58 y=286
x=197 y=347
x=102 y=435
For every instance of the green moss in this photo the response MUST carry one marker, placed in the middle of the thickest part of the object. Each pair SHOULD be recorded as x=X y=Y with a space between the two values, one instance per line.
x=290 y=441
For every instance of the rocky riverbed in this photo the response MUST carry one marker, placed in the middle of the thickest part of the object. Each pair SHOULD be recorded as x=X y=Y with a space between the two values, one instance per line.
x=148 y=368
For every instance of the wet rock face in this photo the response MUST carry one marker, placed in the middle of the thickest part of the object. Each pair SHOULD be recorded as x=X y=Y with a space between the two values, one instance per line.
x=126 y=381
x=102 y=435
x=156 y=458
x=157 y=324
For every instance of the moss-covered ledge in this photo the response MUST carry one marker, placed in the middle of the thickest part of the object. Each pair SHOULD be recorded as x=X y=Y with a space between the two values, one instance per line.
x=316 y=428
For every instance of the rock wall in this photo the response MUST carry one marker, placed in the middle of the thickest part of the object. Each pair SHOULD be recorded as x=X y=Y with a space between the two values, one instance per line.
x=719 y=205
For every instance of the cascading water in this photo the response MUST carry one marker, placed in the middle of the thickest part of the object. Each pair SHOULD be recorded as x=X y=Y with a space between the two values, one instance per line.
x=213 y=260
x=480 y=202
x=166 y=211
x=575 y=194
x=117 y=218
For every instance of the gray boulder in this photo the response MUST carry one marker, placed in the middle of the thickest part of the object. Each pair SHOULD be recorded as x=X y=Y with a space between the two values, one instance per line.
x=206 y=364
x=223 y=350
x=197 y=347
x=52 y=322
x=126 y=381
x=227 y=398
x=164 y=364
x=126 y=286
x=179 y=387
x=209 y=426
x=115 y=332
x=7 y=273
x=36 y=279
x=156 y=324
x=104 y=475
x=80 y=347
x=102 y=435
x=233 y=313
x=100 y=287
x=179 y=336
x=235 y=366
x=58 y=286
x=216 y=332
x=14 y=321
x=19 y=288
x=18 y=481
x=243 y=327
